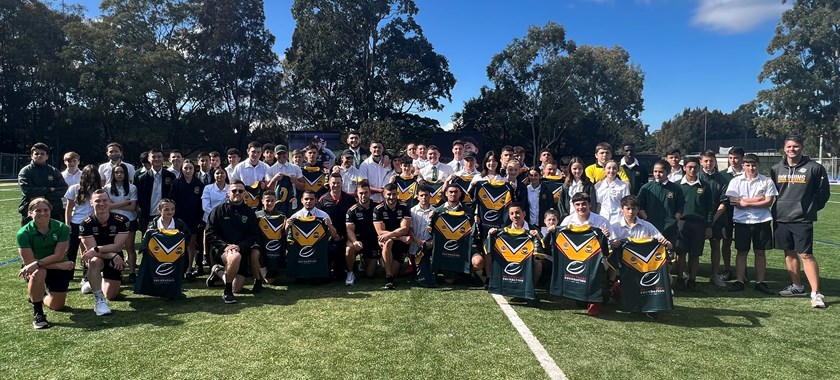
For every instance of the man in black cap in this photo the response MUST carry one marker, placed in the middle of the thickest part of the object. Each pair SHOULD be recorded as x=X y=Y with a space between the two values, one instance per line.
x=350 y=175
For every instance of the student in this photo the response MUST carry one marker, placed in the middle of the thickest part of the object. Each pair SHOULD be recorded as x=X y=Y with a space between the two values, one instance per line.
x=297 y=157
x=72 y=175
x=752 y=194
x=234 y=157
x=421 y=160
x=637 y=174
x=434 y=170
x=115 y=157
x=489 y=171
x=42 y=246
x=79 y=207
x=696 y=222
x=676 y=173
x=271 y=242
x=721 y=224
x=373 y=170
x=803 y=191
x=204 y=171
x=103 y=235
x=734 y=158
x=152 y=186
x=516 y=215
x=470 y=145
x=269 y=156
x=661 y=202
x=187 y=192
x=215 y=163
x=176 y=159
x=39 y=179
x=350 y=175
x=354 y=145
x=545 y=156
x=576 y=182
x=457 y=162
x=534 y=188
x=603 y=154
x=124 y=202
x=252 y=170
x=285 y=191
x=609 y=191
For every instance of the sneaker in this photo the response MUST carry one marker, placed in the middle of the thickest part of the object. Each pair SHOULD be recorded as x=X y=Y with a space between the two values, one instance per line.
x=40 y=322
x=258 y=286
x=199 y=270
x=214 y=275
x=228 y=298
x=727 y=275
x=736 y=286
x=594 y=309
x=189 y=276
x=716 y=280
x=762 y=287
x=101 y=307
x=651 y=315
x=389 y=283
x=351 y=279
x=793 y=291
x=85 y=285
x=818 y=301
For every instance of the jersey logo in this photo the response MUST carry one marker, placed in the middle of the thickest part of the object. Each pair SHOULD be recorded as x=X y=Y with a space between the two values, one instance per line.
x=167 y=249
x=514 y=250
x=307 y=236
x=272 y=226
x=453 y=226
x=577 y=250
x=644 y=259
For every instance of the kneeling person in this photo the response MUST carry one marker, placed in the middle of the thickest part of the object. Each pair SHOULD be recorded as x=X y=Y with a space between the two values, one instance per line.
x=392 y=221
x=104 y=234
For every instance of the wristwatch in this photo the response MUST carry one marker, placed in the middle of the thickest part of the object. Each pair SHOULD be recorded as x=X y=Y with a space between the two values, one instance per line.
x=96 y=249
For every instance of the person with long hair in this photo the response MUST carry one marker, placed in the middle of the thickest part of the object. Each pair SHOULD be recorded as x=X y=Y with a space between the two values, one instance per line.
x=124 y=202
x=576 y=182
x=489 y=170
x=79 y=208
x=186 y=192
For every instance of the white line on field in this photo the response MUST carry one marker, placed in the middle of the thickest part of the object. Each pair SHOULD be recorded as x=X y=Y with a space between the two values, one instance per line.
x=9 y=199
x=833 y=202
x=551 y=369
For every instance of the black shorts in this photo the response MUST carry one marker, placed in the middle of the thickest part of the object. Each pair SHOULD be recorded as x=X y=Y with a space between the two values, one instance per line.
x=399 y=250
x=797 y=237
x=759 y=235
x=722 y=229
x=692 y=237
x=58 y=280
x=111 y=273
x=244 y=262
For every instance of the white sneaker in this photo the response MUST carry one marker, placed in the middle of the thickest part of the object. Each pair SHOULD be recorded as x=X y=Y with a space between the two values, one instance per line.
x=717 y=281
x=793 y=291
x=351 y=279
x=818 y=301
x=85 y=285
x=101 y=307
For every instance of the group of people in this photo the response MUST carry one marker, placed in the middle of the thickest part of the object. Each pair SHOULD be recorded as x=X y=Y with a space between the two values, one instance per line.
x=247 y=218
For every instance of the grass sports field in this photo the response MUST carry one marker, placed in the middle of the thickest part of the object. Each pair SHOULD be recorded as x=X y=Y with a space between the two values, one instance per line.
x=361 y=332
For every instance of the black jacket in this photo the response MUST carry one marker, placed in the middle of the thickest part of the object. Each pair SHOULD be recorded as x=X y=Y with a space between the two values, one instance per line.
x=35 y=181
x=232 y=224
x=803 y=190
x=144 y=184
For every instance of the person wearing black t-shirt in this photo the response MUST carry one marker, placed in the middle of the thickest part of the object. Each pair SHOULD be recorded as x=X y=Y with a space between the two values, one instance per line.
x=392 y=221
x=361 y=235
x=104 y=234
x=335 y=204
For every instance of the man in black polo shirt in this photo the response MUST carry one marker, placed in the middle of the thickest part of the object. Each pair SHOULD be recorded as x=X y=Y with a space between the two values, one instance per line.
x=103 y=235
x=361 y=235
x=232 y=231
x=392 y=221
x=336 y=203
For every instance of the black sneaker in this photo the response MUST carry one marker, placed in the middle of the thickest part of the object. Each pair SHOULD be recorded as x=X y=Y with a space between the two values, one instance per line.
x=736 y=286
x=199 y=270
x=258 y=286
x=389 y=283
x=40 y=322
x=132 y=278
x=652 y=315
x=214 y=276
x=229 y=298
x=691 y=285
x=762 y=287
x=189 y=276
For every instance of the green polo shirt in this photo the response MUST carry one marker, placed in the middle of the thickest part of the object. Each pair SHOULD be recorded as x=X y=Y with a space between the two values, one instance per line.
x=42 y=245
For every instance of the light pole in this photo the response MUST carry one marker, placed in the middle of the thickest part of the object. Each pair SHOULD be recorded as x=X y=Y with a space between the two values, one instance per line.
x=705 y=127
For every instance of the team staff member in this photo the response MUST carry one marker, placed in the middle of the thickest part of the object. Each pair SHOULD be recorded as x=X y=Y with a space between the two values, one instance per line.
x=803 y=191
x=374 y=171
x=152 y=186
x=232 y=231
x=361 y=235
x=39 y=179
x=354 y=142
x=392 y=221
x=336 y=203
x=42 y=244
x=104 y=234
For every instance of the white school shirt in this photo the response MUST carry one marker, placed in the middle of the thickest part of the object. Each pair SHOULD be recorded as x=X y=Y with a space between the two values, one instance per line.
x=106 y=169
x=249 y=174
x=122 y=197
x=211 y=197
x=741 y=186
x=609 y=199
x=376 y=176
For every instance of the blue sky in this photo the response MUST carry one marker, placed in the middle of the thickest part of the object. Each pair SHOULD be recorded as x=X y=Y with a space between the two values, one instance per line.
x=695 y=53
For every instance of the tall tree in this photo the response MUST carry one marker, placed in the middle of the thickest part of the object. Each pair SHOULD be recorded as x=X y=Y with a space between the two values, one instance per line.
x=805 y=75
x=237 y=70
x=689 y=130
x=363 y=63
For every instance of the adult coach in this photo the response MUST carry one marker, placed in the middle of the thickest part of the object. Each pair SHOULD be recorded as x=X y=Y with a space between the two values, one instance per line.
x=803 y=190
x=42 y=244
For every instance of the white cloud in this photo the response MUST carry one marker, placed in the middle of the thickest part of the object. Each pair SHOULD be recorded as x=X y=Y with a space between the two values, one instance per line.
x=736 y=16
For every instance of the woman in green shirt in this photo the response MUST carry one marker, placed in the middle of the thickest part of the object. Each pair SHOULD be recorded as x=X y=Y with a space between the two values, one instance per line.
x=42 y=245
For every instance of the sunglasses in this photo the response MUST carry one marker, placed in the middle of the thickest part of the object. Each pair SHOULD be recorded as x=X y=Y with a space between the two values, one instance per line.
x=237 y=191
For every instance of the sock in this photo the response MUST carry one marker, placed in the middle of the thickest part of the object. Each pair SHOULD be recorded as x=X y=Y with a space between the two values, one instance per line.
x=813 y=294
x=38 y=307
x=98 y=294
x=228 y=288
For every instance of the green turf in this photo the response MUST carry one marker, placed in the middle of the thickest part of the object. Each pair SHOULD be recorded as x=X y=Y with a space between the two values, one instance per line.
x=331 y=331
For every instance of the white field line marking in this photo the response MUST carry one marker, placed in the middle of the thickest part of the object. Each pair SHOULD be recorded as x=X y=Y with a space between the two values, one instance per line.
x=833 y=202
x=9 y=199
x=551 y=369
